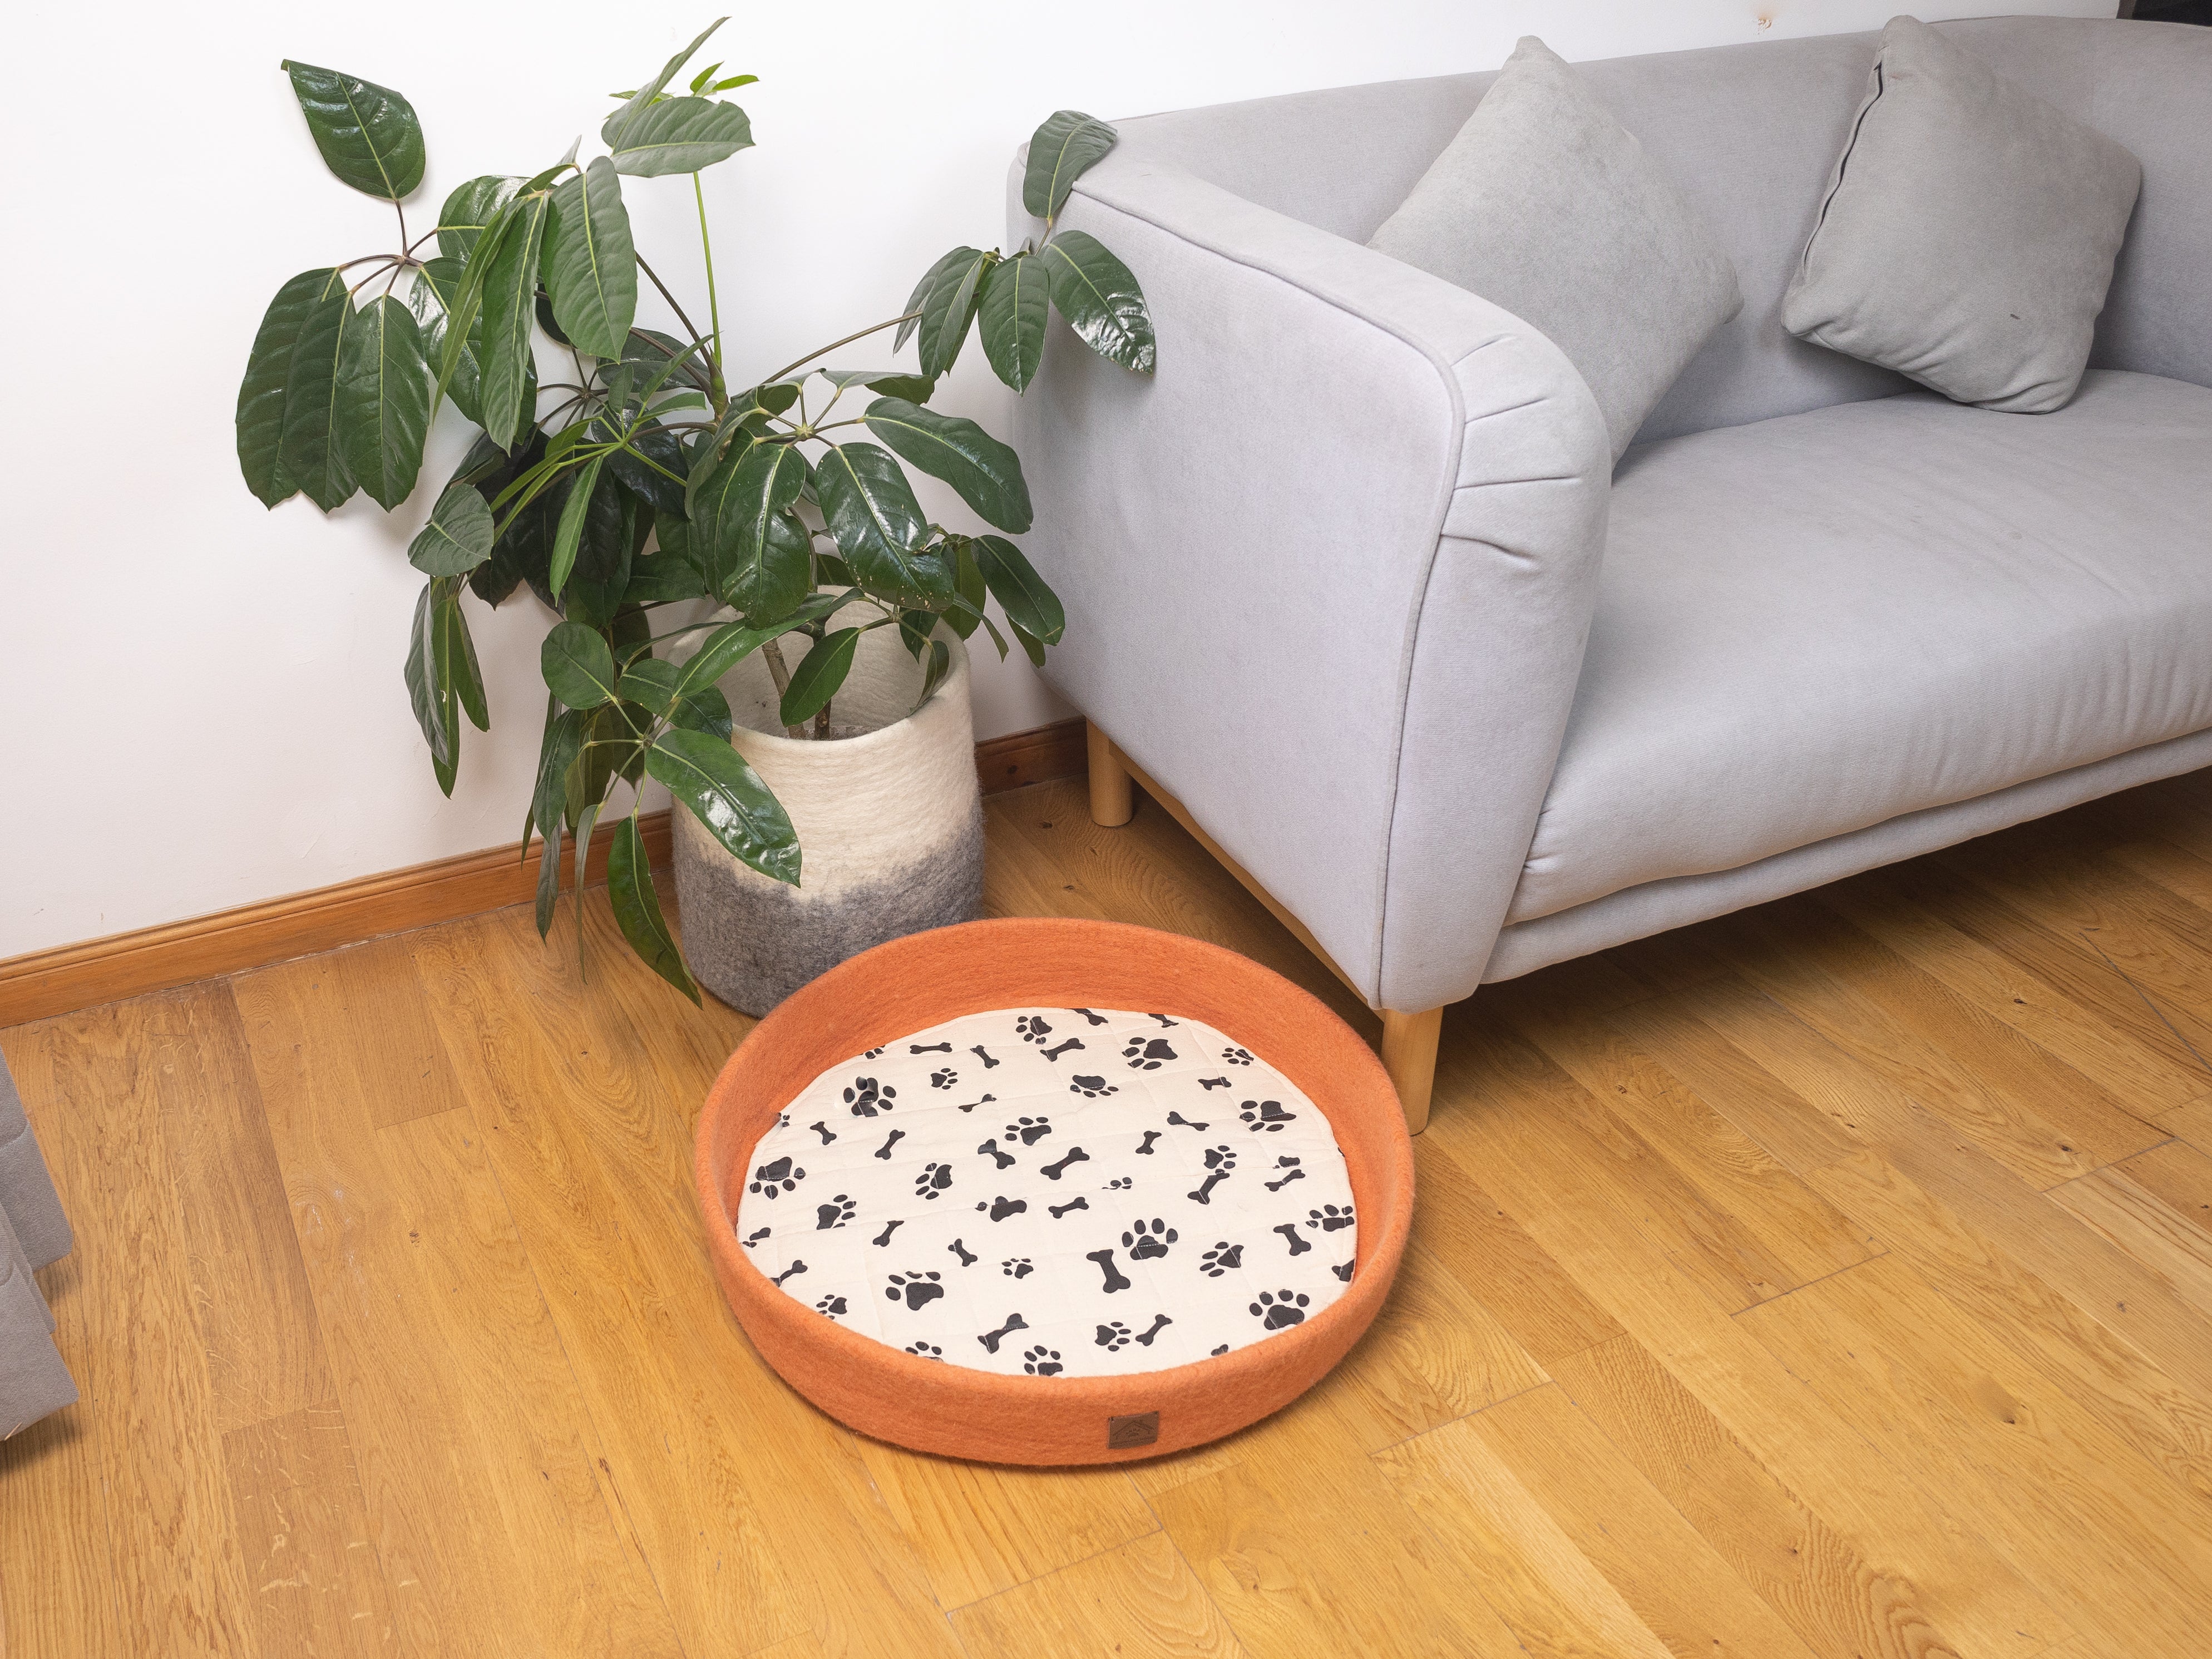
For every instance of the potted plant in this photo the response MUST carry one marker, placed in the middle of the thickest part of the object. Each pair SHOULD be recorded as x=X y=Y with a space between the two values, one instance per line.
x=689 y=540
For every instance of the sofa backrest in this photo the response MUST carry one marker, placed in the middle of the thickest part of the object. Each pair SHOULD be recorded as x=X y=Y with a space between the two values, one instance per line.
x=1750 y=133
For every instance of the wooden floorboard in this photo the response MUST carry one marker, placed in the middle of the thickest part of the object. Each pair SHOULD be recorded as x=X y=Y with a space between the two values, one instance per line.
x=1829 y=1281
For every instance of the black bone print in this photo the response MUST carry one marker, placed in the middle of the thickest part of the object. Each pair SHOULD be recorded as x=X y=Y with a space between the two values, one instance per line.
x=973 y=1104
x=1329 y=1219
x=1090 y=1088
x=792 y=1272
x=1266 y=1116
x=1000 y=1208
x=883 y=1239
x=990 y=1340
x=836 y=1214
x=1056 y=1211
x=1290 y=1232
x=1114 y=1281
x=883 y=1152
x=866 y=1098
x=1222 y=1162
x=1344 y=1271
x=1221 y=1259
x=1029 y=1130
x=753 y=1238
x=775 y=1178
x=983 y=1055
x=1278 y=1186
x=822 y=1129
x=1055 y=1053
x=967 y=1260
x=934 y=1179
x=1151 y=1135
x=990 y=1150
x=1075 y=1155
x=1095 y=1020
x=1181 y=1122
x=1147 y=1054
x=1214 y=1083
x=1281 y=1307
x=929 y=1047
x=1160 y=1323
x=1165 y=1022
x=916 y=1289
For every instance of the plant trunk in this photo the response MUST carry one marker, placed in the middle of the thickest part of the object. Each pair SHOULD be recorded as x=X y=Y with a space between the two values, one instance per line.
x=772 y=654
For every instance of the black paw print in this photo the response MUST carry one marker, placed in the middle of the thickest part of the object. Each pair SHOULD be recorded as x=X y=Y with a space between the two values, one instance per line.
x=1090 y=1087
x=1221 y=1259
x=915 y=1290
x=1329 y=1219
x=775 y=1178
x=1144 y=1055
x=1019 y=1267
x=925 y=1350
x=866 y=1098
x=1266 y=1116
x=1146 y=1239
x=1344 y=1272
x=1280 y=1308
x=832 y=1305
x=944 y=1080
x=871 y=1054
x=1029 y=1130
x=1113 y=1336
x=1041 y=1362
x=1119 y=1184
x=935 y=1178
x=836 y=1214
x=1235 y=1056
x=1033 y=1028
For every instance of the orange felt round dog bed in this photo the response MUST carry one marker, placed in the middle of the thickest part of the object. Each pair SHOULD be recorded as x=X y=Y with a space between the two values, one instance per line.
x=884 y=995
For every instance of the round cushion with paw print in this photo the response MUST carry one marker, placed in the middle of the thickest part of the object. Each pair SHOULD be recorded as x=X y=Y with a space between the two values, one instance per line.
x=1052 y=1191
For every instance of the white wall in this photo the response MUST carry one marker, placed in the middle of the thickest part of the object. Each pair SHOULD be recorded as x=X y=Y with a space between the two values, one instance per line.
x=203 y=699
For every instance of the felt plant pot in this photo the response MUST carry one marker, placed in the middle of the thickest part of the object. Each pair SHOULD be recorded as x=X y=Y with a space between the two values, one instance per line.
x=889 y=822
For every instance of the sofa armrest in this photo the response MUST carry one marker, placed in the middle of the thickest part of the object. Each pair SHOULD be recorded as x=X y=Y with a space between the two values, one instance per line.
x=1329 y=573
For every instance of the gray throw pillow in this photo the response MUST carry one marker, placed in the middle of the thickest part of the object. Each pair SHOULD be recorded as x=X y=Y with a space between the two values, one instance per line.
x=1546 y=205
x=1969 y=231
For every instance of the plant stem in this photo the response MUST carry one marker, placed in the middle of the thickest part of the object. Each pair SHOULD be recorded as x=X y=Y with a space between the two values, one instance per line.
x=772 y=653
x=822 y=723
x=825 y=351
x=654 y=276
x=720 y=392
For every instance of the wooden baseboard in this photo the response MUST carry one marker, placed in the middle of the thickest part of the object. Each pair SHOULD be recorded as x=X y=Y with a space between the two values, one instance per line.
x=72 y=976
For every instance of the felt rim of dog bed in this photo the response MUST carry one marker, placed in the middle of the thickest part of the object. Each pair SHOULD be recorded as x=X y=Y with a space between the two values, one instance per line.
x=910 y=983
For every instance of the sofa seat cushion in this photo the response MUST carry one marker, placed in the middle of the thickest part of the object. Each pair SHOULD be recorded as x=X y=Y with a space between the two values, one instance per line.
x=1814 y=623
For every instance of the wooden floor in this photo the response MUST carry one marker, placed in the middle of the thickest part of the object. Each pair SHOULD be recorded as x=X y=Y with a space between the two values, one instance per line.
x=1832 y=1281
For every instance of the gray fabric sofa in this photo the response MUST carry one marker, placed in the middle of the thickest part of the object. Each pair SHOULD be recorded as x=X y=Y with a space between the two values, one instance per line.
x=32 y=1232
x=1354 y=579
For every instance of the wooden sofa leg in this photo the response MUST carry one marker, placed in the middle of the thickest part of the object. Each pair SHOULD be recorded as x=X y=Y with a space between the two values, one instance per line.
x=1409 y=1055
x=1110 y=805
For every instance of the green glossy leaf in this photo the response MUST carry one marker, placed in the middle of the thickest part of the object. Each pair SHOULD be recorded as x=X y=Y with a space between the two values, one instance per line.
x=650 y=348
x=724 y=794
x=1014 y=310
x=579 y=668
x=455 y=653
x=570 y=534
x=423 y=694
x=679 y=135
x=661 y=578
x=549 y=878
x=308 y=452
x=652 y=468
x=457 y=538
x=383 y=400
x=645 y=96
x=1030 y=603
x=818 y=676
x=510 y=285
x=1066 y=147
x=939 y=667
x=917 y=303
x=728 y=645
x=580 y=850
x=987 y=474
x=637 y=907
x=914 y=388
x=948 y=307
x=877 y=525
x=469 y=210
x=1101 y=300
x=656 y=683
x=262 y=395
x=369 y=134
x=557 y=753
x=1032 y=646
x=596 y=585
x=590 y=262
x=756 y=556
